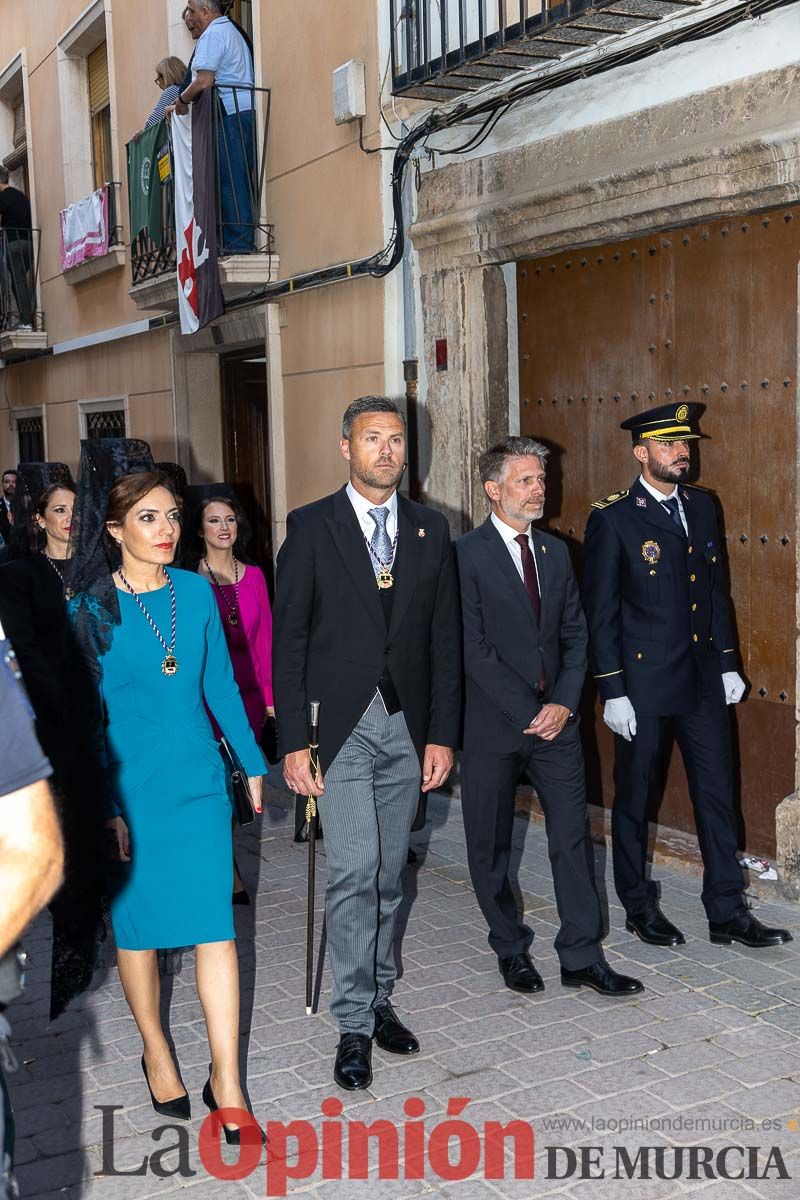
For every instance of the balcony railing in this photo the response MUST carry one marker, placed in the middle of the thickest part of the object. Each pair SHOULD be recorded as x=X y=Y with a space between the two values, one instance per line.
x=19 y=273
x=443 y=48
x=240 y=117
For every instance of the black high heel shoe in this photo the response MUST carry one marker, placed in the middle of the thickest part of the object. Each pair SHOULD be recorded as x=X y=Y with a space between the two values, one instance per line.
x=232 y=1135
x=180 y=1108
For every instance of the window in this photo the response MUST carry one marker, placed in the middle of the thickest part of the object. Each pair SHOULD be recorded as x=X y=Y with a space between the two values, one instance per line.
x=30 y=437
x=100 y=112
x=102 y=418
x=13 y=129
x=242 y=13
x=105 y=422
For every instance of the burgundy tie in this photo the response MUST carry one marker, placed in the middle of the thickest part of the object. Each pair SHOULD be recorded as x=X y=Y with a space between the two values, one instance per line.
x=532 y=588
x=529 y=573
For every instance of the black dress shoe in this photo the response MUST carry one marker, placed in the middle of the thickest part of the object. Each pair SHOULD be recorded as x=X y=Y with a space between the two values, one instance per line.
x=520 y=974
x=180 y=1108
x=652 y=926
x=391 y=1034
x=233 y=1134
x=600 y=977
x=241 y=897
x=353 y=1067
x=748 y=930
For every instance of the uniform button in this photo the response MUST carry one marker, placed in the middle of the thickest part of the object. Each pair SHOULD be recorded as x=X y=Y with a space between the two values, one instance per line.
x=694 y=637
x=693 y=577
x=640 y=655
x=713 y=558
x=691 y=548
x=652 y=572
x=694 y=607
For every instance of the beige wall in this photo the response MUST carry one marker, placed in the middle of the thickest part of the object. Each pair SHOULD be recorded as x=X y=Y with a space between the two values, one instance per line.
x=137 y=369
x=323 y=196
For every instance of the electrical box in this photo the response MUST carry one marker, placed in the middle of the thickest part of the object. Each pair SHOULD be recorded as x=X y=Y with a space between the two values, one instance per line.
x=349 y=92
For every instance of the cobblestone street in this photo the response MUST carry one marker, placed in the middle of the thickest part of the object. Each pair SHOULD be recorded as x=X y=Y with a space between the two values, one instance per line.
x=715 y=1036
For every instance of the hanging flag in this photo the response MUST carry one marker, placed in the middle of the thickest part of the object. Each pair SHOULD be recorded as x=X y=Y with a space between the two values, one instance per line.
x=199 y=292
x=144 y=182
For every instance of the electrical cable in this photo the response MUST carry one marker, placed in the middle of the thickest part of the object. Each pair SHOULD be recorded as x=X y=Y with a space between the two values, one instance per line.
x=493 y=107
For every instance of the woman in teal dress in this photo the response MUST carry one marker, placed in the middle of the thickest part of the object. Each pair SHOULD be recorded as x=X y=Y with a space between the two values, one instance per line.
x=164 y=656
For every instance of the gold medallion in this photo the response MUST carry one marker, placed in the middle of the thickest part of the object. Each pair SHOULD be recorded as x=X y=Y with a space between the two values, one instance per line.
x=385 y=578
x=651 y=552
x=170 y=665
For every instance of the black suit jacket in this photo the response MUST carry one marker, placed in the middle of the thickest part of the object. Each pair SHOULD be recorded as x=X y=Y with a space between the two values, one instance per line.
x=330 y=639
x=505 y=647
x=657 y=602
x=5 y=524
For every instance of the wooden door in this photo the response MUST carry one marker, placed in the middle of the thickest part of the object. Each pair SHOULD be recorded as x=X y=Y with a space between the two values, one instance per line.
x=705 y=313
x=245 y=444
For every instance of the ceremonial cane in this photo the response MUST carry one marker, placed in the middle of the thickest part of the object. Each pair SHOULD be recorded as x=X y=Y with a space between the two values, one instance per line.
x=311 y=821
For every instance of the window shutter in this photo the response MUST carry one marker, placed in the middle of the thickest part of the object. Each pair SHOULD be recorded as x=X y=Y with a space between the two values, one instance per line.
x=19 y=123
x=98 y=79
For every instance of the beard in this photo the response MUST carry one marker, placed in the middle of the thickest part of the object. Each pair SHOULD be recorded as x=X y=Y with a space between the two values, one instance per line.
x=673 y=473
x=526 y=514
x=373 y=478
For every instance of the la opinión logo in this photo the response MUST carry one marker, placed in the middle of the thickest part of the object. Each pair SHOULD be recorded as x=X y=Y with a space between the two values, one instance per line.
x=452 y=1149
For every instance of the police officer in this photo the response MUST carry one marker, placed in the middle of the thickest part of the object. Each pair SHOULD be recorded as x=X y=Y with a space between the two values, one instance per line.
x=663 y=655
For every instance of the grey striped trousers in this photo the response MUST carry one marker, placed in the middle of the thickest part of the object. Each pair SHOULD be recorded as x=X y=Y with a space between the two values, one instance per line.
x=371 y=795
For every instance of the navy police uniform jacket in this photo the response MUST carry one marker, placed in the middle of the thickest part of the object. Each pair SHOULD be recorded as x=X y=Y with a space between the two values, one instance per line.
x=656 y=602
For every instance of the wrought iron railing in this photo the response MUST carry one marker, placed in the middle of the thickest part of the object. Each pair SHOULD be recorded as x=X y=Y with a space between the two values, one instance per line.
x=442 y=47
x=19 y=274
x=240 y=117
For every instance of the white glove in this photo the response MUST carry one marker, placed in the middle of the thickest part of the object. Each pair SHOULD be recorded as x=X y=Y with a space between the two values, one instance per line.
x=620 y=718
x=733 y=685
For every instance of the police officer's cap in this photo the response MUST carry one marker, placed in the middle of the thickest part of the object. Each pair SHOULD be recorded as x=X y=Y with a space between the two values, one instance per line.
x=667 y=423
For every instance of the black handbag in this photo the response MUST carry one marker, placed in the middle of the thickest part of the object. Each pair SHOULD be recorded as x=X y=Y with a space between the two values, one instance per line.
x=240 y=788
x=269 y=741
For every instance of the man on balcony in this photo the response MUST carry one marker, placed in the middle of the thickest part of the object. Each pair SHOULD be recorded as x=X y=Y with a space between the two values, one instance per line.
x=222 y=58
x=16 y=257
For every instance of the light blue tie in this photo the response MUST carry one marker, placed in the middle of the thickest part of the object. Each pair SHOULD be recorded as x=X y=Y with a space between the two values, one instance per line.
x=380 y=542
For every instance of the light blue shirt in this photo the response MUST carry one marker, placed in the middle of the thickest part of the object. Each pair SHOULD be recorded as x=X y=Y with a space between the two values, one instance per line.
x=223 y=50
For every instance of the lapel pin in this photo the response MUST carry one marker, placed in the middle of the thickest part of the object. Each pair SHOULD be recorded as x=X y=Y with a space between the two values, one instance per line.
x=642 y=503
x=420 y=533
x=544 y=549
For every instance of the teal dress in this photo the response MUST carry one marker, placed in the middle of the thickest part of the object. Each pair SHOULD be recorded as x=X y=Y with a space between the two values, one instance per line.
x=169 y=778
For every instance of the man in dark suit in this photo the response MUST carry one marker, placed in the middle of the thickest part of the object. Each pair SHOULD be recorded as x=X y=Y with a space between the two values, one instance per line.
x=663 y=654
x=525 y=663
x=6 y=504
x=366 y=622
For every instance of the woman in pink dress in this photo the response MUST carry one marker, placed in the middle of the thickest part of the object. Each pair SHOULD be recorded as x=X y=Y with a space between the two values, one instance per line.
x=243 y=601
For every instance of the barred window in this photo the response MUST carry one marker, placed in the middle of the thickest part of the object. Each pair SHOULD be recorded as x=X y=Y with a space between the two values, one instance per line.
x=105 y=423
x=30 y=439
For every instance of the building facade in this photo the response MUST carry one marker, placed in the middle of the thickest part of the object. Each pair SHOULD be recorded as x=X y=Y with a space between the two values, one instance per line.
x=603 y=214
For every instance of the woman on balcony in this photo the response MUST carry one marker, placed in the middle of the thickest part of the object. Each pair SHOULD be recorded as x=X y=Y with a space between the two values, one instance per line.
x=170 y=73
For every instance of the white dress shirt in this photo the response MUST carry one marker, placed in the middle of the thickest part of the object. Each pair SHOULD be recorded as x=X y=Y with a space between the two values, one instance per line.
x=509 y=536
x=659 y=496
x=362 y=506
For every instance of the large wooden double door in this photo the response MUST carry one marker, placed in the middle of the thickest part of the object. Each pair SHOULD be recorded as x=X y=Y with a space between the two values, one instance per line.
x=705 y=313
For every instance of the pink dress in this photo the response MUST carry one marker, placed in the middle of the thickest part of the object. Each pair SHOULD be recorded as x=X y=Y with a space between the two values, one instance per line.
x=249 y=642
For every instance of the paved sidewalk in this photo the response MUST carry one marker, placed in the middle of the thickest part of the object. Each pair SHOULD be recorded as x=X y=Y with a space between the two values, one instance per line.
x=715 y=1040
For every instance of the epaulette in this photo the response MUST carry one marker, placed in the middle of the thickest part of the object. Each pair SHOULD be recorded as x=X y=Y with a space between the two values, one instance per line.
x=612 y=499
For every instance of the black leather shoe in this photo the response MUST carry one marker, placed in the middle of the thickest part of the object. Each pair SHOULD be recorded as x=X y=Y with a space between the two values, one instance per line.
x=241 y=897
x=652 y=926
x=520 y=974
x=179 y=1109
x=233 y=1134
x=391 y=1034
x=600 y=977
x=353 y=1067
x=748 y=930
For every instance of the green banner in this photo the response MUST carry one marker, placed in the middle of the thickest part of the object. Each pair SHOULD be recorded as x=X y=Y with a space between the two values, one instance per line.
x=144 y=183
